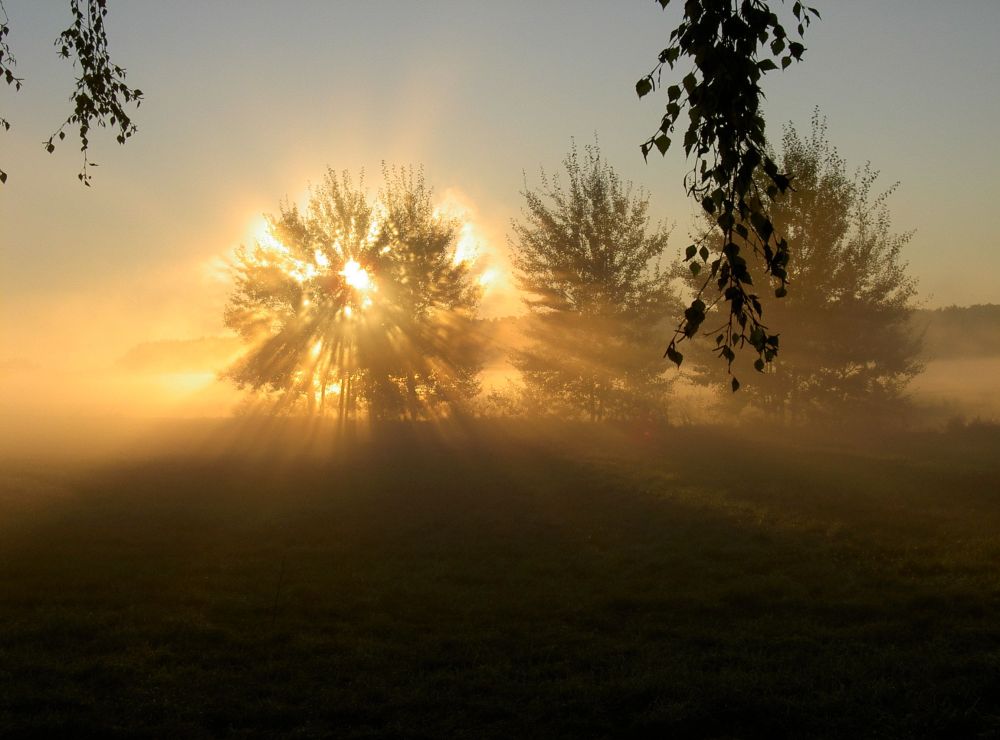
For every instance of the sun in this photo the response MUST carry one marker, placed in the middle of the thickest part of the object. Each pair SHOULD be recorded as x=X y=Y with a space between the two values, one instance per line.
x=356 y=276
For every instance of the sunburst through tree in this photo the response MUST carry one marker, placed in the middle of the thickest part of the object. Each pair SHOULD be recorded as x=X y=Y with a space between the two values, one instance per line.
x=358 y=306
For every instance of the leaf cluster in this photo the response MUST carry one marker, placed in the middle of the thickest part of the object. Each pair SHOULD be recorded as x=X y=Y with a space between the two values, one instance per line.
x=731 y=45
x=7 y=64
x=101 y=95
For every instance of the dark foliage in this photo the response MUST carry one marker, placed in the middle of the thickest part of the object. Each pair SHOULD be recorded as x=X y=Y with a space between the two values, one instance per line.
x=848 y=342
x=732 y=44
x=506 y=589
x=7 y=64
x=101 y=95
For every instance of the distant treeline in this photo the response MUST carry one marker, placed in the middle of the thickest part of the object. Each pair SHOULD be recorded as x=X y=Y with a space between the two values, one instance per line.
x=959 y=331
x=948 y=333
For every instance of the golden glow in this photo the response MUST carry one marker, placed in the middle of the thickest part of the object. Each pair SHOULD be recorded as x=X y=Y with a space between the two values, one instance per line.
x=335 y=292
x=469 y=251
x=356 y=276
x=266 y=240
x=271 y=252
x=467 y=248
x=375 y=227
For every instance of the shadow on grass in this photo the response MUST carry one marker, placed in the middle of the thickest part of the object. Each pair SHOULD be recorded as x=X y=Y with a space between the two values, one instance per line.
x=574 y=582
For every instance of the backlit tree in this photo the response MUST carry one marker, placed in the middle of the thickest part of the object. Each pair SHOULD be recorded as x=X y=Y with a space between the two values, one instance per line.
x=354 y=304
x=845 y=326
x=587 y=259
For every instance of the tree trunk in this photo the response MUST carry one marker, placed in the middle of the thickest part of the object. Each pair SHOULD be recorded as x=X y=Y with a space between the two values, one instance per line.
x=411 y=396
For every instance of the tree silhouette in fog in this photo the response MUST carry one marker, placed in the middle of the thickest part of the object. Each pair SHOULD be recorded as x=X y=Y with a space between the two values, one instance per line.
x=585 y=256
x=357 y=304
x=846 y=330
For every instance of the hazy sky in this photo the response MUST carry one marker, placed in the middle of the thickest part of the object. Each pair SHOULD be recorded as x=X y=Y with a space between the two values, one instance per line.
x=248 y=101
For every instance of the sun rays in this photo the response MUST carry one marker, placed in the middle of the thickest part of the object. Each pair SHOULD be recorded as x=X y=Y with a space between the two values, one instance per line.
x=357 y=307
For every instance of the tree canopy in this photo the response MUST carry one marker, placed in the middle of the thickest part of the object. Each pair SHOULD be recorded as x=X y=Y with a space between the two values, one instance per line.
x=586 y=256
x=850 y=345
x=358 y=303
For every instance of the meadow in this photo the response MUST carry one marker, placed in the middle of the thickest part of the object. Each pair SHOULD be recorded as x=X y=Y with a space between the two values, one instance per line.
x=567 y=582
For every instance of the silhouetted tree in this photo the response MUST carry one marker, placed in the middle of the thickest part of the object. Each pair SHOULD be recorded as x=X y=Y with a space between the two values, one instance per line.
x=731 y=45
x=354 y=302
x=586 y=258
x=848 y=344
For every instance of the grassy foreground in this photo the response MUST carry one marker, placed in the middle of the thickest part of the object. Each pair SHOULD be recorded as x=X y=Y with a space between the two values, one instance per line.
x=608 y=586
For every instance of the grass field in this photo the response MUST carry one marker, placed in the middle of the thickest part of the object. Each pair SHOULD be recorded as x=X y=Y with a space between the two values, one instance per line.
x=574 y=583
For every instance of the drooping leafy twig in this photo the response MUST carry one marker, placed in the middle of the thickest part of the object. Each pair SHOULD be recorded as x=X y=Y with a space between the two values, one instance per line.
x=731 y=44
x=7 y=63
x=101 y=93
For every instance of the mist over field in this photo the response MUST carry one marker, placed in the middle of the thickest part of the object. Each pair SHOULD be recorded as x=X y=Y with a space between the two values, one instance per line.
x=153 y=384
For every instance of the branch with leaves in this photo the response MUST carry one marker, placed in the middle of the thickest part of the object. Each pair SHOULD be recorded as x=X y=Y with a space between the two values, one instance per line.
x=7 y=63
x=731 y=45
x=101 y=95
